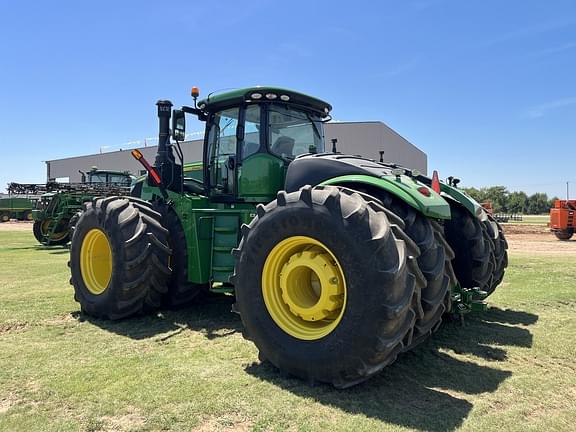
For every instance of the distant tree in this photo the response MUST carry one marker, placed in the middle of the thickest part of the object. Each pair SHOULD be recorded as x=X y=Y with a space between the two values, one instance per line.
x=498 y=195
x=517 y=202
x=475 y=193
x=538 y=203
x=512 y=202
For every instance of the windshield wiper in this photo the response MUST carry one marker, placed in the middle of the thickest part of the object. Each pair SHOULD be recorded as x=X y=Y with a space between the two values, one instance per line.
x=311 y=120
x=225 y=127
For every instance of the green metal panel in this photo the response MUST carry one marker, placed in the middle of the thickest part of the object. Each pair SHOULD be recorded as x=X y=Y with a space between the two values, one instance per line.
x=405 y=188
x=260 y=177
x=198 y=229
x=15 y=206
x=225 y=238
x=463 y=198
x=211 y=231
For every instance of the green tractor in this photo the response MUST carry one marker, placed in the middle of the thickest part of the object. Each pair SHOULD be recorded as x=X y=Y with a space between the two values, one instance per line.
x=15 y=208
x=58 y=204
x=338 y=263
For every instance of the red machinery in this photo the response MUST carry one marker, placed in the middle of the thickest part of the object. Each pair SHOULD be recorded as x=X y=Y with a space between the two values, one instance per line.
x=562 y=219
x=488 y=207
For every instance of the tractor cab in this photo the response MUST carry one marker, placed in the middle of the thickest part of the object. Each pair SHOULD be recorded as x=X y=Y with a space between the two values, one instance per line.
x=257 y=141
x=106 y=177
x=251 y=137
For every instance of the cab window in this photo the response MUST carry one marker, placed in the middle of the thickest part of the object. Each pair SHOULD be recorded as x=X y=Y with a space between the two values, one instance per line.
x=221 y=146
x=251 y=143
x=97 y=177
x=292 y=132
x=119 y=179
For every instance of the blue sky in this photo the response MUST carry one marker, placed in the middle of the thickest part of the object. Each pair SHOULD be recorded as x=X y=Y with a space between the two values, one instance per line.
x=486 y=88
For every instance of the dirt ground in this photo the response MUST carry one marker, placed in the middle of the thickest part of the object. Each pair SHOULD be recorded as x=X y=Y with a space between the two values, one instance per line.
x=522 y=238
x=16 y=226
x=536 y=239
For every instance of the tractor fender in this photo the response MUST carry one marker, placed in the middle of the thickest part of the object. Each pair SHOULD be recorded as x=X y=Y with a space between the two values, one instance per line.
x=403 y=187
x=465 y=200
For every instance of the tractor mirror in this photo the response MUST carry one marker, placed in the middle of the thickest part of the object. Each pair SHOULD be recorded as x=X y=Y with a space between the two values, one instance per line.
x=178 y=125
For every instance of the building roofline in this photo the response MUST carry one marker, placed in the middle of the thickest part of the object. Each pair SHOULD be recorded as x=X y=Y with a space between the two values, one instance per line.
x=116 y=151
x=334 y=122
x=353 y=121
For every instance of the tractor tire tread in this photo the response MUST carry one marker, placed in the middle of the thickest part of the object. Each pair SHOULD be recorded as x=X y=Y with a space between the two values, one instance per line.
x=392 y=317
x=140 y=260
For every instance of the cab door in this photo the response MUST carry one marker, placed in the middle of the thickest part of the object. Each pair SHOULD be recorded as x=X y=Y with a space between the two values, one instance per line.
x=221 y=154
x=260 y=174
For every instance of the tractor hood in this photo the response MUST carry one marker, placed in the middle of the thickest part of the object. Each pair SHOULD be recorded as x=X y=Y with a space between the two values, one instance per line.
x=337 y=169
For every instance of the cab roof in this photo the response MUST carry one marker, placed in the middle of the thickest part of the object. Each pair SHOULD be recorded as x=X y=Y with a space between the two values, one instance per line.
x=217 y=101
x=102 y=171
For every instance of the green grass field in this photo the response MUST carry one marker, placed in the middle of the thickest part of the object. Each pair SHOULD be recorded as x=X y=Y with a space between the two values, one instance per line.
x=512 y=368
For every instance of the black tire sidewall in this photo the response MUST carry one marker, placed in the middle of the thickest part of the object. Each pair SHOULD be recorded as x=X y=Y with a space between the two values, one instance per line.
x=564 y=235
x=355 y=337
x=37 y=231
x=90 y=219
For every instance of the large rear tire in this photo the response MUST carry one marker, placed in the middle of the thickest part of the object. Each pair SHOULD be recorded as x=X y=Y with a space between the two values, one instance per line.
x=119 y=258
x=500 y=247
x=323 y=285
x=468 y=237
x=434 y=262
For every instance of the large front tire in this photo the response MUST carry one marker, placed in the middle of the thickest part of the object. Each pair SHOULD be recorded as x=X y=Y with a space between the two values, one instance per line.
x=323 y=285
x=119 y=258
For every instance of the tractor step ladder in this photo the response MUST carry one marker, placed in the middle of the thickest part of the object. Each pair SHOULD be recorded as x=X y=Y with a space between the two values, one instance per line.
x=225 y=238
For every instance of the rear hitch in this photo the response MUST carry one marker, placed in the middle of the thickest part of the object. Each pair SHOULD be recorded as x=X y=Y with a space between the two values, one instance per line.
x=466 y=300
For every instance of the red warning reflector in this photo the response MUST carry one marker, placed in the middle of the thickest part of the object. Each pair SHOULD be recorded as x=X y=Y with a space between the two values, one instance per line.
x=151 y=170
x=424 y=191
x=155 y=176
x=435 y=182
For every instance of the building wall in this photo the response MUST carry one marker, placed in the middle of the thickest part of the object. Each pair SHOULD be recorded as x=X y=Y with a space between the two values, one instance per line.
x=358 y=138
x=118 y=160
x=368 y=138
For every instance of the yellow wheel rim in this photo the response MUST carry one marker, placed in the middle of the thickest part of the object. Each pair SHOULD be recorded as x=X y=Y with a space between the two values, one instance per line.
x=304 y=288
x=45 y=228
x=29 y=216
x=96 y=261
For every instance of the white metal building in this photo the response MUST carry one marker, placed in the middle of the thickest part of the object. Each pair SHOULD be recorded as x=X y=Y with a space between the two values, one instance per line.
x=358 y=138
